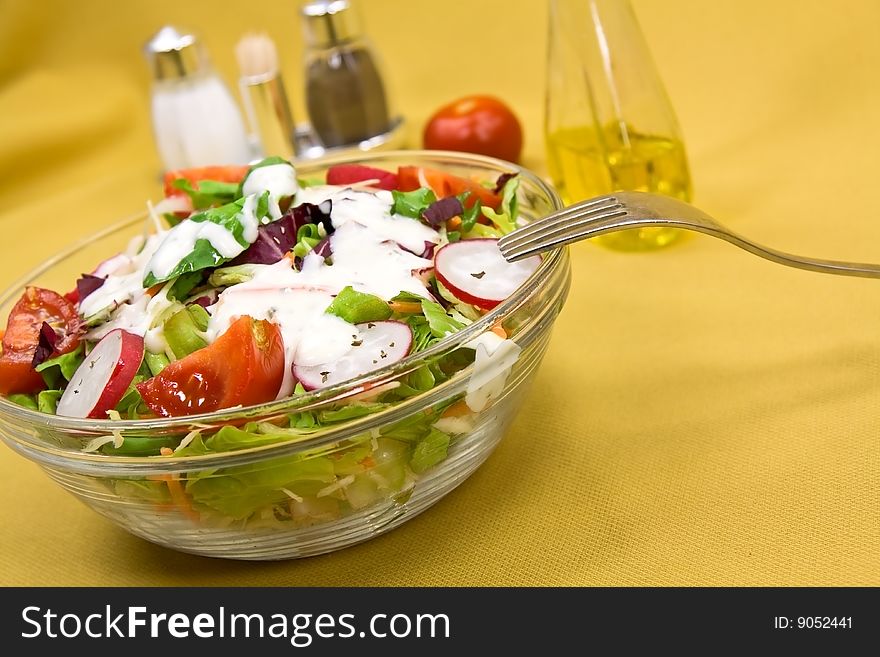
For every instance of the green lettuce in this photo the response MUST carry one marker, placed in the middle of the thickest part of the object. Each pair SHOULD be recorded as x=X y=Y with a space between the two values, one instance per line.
x=185 y=330
x=58 y=371
x=440 y=323
x=429 y=451
x=209 y=192
x=307 y=238
x=412 y=204
x=506 y=219
x=204 y=255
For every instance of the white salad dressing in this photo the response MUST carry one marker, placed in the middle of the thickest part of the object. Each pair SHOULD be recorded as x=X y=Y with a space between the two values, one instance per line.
x=142 y=317
x=124 y=279
x=367 y=259
x=277 y=179
x=371 y=210
x=495 y=357
x=373 y=251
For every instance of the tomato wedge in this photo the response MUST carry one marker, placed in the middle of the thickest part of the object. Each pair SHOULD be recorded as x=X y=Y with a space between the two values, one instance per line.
x=228 y=173
x=445 y=184
x=243 y=366
x=37 y=305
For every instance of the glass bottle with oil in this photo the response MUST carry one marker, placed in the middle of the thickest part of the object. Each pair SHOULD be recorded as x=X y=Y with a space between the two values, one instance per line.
x=609 y=125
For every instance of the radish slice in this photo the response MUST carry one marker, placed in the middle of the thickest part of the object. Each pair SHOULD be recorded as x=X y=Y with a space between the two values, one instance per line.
x=377 y=344
x=112 y=265
x=103 y=377
x=476 y=272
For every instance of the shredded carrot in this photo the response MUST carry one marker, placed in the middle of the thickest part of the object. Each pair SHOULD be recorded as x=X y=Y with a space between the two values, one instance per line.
x=405 y=307
x=499 y=331
x=153 y=291
x=290 y=256
x=458 y=409
x=166 y=451
x=454 y=223
x=178 y=496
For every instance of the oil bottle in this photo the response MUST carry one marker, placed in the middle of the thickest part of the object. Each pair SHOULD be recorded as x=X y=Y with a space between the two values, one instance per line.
x=609 y=125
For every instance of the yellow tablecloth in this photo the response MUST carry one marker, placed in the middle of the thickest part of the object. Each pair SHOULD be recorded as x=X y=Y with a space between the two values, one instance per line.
x=702 y=416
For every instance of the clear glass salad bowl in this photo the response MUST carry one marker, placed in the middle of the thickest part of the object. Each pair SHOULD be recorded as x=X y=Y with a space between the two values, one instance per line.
x=334 y=468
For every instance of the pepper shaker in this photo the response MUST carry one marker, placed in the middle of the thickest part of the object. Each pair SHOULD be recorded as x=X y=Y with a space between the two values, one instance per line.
x=196 y=121
x=345 y=95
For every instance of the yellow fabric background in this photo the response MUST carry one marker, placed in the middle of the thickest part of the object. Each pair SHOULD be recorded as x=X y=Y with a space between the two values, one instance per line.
x=702 y=417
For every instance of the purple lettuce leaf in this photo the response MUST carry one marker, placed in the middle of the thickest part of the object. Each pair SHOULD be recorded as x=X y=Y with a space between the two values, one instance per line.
x=441 y=211
x=46 y=344
x=86 y=284
x=502 y=181
x=275 y=239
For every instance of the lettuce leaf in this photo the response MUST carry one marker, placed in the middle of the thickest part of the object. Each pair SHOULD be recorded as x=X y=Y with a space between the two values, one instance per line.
x=185 y=330
x=506 y=219
x=47 y=400
x=28 y=401
x=209 y=192
x=429 y=451
x=440 y=323
x=58 y=371
x=412 y=204
x=204 y=255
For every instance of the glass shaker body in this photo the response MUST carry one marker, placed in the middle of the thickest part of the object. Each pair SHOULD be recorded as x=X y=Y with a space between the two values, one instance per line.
x=609 y=125
x=196 y=121
x=346 y=98
x=345 y=94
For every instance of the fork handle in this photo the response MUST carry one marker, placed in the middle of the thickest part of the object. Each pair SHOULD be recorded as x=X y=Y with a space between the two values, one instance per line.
x=707 y=227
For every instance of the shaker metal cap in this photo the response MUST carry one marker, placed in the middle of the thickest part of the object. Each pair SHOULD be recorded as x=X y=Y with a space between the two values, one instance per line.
x=174 y=53
x=329 y=22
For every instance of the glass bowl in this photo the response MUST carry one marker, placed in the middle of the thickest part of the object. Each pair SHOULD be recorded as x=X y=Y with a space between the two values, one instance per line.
x=320 y=471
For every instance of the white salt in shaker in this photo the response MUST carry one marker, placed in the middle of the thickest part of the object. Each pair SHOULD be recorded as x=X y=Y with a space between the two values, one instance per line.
x=196 y=121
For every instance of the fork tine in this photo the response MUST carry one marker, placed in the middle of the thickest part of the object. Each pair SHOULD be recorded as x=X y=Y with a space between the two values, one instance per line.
x=559 y=225
x=558 y=217
x=572 y=232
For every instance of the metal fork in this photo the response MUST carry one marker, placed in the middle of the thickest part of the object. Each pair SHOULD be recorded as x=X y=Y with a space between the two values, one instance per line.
x=623 y=210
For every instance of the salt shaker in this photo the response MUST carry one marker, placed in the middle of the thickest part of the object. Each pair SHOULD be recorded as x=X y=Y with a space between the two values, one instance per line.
x=345 y=95
x=609 y=125
x=196 y=121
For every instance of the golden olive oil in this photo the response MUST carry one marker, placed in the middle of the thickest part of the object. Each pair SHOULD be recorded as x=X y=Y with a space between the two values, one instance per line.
x=584 y=163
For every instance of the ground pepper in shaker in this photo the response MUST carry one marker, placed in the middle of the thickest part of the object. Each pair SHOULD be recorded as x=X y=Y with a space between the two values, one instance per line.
x=345 y=95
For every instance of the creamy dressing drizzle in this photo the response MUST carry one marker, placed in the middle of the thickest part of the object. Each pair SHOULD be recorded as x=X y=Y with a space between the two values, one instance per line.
x=366 y=255
x=277 y=179
x=124 y=278
x=373 y=251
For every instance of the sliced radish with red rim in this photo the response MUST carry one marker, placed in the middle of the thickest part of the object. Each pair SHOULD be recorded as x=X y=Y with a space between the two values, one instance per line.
x=375 y=345
x=103 y=377
x=476 y=272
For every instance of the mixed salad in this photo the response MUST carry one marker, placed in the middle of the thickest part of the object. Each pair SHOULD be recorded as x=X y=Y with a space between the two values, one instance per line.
x=255 y=285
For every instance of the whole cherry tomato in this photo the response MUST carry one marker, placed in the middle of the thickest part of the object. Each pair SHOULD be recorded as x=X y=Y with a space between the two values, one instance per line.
x=476 y=124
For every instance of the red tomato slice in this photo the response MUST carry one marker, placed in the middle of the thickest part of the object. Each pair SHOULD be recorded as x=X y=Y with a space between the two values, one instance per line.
x=347 y=174
x=445 y=184
x=244 y=366
x=36 y=306
x=228 y=173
